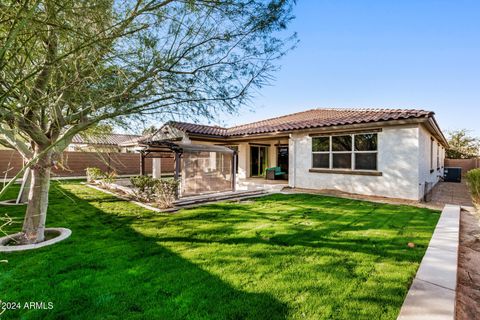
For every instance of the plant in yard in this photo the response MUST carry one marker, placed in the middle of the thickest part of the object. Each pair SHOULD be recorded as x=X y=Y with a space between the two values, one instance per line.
x=67 y=66
x=108 y=178
x=473 y=178
x=93 y=174
x=143 y=188
x=166 y=191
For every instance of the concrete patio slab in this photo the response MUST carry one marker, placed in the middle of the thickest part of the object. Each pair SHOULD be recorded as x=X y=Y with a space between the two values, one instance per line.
x=451 y=193
x=432 y=294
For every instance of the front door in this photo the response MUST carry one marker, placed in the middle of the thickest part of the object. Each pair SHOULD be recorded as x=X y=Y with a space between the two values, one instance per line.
x=258 y=160
x=282 y=158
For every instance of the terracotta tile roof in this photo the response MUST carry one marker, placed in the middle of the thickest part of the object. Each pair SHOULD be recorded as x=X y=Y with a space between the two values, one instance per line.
x=112 y=139
x=314 y=118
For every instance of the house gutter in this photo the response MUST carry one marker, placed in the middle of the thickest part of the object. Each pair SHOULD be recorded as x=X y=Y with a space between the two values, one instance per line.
x=435 y=129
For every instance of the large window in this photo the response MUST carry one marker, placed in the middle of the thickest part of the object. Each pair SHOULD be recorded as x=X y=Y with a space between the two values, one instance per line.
x=350 y=152
x=438 y=156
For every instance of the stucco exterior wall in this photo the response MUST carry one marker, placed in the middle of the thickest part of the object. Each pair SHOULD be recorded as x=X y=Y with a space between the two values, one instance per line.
x=398 y=160
x=429 y=173
x=244 y=153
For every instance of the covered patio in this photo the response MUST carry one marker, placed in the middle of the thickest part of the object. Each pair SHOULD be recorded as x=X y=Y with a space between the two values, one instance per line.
x=200 y=169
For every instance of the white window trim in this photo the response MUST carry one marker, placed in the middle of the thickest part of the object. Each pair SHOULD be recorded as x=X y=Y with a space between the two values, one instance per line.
x=353 y=152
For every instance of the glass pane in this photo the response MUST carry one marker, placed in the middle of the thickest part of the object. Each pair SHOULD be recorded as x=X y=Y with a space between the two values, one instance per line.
x=342 y=143
x=366 y=142
x=366 y=161
x=321 y=144
x=282 y=158
x=321 y=160
x=342 y=161
x=263 y=160
x=254 y=164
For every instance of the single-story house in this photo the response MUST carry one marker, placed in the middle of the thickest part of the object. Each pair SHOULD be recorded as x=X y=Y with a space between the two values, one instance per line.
x=110 y=142
x=396 y=153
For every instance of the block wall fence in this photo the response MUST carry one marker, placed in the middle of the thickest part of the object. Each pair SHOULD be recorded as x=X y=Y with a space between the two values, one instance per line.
x=73 y=164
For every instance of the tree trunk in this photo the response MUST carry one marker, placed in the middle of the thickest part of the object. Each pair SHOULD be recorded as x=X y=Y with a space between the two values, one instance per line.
x=24 y=188
x=35 y=217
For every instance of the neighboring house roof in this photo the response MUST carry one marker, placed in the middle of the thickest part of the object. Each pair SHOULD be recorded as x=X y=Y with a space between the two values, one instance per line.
x=314 y=118
x=112 y=139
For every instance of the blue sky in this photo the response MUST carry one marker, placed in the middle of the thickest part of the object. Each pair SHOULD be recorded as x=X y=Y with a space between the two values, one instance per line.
x=394 y=54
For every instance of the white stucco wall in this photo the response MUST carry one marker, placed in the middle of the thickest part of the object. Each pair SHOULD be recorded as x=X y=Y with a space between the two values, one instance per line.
x=424 y=167
x=242 y=160
x=398 y=160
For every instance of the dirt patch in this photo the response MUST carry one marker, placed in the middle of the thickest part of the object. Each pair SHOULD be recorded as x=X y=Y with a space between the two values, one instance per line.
x=378 y=199
x=468 y=282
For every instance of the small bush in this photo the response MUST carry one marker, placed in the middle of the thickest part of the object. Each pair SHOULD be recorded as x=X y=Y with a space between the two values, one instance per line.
x=161 y=191
x=166 y=192
x=93 y=174
x=144 y=188
x=109 y=177
x=473 y=178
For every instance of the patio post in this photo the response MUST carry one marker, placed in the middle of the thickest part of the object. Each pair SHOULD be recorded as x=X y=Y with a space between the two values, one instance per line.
x=177 y=170
x=142 y=163
x=177 y=164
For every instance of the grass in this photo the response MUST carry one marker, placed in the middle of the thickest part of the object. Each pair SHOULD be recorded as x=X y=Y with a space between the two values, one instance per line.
x=279 y=256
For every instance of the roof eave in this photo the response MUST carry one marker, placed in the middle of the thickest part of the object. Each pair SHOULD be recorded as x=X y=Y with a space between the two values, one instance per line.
x=434 y=128
x=332 y=128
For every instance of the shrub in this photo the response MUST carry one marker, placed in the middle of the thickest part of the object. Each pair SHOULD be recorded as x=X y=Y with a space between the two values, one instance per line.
x=109 y=177
x=473 y=178
x=93 y=174
x=166 y=192
x=143 y=187
x=161 y=191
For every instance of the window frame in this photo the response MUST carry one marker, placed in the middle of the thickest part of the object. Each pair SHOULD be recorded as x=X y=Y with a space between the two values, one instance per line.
x=352 y=152
x=438 y=155
x=431 y=154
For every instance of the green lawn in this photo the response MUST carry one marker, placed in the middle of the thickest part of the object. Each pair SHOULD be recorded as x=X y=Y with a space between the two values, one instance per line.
x=280 y=256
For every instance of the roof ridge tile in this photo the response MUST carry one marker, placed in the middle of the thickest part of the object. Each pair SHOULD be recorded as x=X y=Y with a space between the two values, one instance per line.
x=312 y=118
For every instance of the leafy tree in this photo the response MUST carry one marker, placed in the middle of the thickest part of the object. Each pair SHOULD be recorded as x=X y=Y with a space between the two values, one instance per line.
x=462 y=145
x=67 y=65
x=97 y=130
x=149 y=130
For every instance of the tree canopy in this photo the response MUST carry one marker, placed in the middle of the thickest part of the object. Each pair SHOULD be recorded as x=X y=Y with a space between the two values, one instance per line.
x=462 y=145
x=68 y=65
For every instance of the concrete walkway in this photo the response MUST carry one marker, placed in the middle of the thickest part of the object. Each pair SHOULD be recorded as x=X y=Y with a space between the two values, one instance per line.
x=443 y=193
x=451 y=193
x=432 y=293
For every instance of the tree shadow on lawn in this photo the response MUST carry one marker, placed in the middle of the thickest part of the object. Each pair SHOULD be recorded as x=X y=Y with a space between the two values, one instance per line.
x=106 y=269
x=369 y=228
